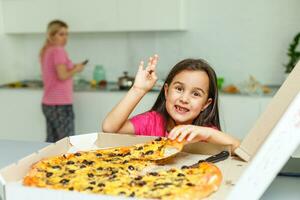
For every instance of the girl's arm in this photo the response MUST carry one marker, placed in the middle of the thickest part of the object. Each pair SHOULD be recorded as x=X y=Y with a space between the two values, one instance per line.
x=64 y=73
x=194 y=133
x=117 y=120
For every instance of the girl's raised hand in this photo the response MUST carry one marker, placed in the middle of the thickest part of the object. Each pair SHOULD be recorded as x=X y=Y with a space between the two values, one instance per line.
x=189 y=133
x=146 y=78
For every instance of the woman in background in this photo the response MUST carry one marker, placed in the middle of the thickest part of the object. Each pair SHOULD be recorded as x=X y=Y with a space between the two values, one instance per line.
x=57 y=73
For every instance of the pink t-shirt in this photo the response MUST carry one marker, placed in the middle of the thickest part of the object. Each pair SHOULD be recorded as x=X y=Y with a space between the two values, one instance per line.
x=56 y=92
x=149 y=123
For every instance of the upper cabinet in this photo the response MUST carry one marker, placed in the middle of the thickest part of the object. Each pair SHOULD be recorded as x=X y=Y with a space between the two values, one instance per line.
x=32 y=16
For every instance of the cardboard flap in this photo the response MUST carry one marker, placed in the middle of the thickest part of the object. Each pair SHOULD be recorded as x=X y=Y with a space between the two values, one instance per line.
x=270 y=117
x=84 y=142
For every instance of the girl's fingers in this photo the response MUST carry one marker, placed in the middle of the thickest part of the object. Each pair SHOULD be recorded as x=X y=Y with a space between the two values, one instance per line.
x=172 y=135
x=141 y=66
x=154 y=60
x=176 y=132
x=192 y=136
x=149 y=63
x=185 y=131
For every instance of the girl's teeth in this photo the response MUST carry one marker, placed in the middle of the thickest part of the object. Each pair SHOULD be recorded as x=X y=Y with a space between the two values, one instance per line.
x=181 y=109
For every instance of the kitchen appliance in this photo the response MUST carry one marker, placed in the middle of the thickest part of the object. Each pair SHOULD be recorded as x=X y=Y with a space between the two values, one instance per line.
x=125 y=82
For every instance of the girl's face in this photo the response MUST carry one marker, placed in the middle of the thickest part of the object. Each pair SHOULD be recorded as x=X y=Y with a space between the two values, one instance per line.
x=187 y=96
x=61 y=37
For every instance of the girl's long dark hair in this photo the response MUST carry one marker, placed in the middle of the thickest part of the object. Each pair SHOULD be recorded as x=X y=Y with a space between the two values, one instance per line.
x=208 y=117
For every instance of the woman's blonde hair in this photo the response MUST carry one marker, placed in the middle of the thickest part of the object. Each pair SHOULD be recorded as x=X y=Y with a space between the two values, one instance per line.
x=52 y=28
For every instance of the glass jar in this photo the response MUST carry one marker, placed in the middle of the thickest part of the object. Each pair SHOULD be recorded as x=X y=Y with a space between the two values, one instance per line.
x=99 y=73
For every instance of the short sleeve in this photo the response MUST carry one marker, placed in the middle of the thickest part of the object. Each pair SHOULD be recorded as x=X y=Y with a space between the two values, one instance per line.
x=59 y=56
x=149 y=123
x=139 y=123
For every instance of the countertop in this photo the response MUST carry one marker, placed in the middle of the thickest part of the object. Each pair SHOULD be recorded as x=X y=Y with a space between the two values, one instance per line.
x=85 y=86
x=281 y=188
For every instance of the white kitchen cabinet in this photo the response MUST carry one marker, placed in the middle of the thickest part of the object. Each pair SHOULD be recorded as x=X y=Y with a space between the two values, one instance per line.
x=144 y=15
x=28 y=16
x=32 y=16
x=239 y=113
x=21 y=116
x=89 y=15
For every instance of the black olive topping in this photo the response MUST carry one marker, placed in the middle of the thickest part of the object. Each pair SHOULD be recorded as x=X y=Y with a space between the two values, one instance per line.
x=130 y=167
x=101 y=185
x=90 y=175
x=48 y=174
x=99 y=154
x=190 y=184
x=93 y=182
x=150 y=152
x=64 y=181
x=153 y=173
x=70 y=162
x=89 y=188
x=138 y=178
x=132 y=194
x=184 y=167
x=87 y=162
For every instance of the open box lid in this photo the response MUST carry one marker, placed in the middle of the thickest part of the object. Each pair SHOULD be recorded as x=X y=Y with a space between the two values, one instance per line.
x=271 y=116
x=271 y=141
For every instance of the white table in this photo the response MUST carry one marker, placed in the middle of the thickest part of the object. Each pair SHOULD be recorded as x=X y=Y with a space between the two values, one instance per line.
x=286 y=188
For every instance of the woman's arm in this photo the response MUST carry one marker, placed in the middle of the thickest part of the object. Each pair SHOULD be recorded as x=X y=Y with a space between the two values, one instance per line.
x=194 y=133
x=64 y=73
x=117 y=119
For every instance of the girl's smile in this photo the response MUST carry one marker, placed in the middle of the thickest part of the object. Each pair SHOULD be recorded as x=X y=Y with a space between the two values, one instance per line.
x=187 y=96
x=181 y=109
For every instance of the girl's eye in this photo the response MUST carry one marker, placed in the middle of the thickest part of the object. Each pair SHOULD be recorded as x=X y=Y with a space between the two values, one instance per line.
x=179 y=89
x=197 y=94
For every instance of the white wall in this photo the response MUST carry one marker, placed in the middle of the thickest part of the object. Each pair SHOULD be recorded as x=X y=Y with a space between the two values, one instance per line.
x=9 y=47
x=238 y=38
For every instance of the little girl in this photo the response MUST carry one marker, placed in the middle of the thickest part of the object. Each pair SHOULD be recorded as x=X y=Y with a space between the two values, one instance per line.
x=186 y=107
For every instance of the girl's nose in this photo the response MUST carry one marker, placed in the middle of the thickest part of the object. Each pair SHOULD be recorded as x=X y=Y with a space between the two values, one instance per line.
x=184 y=98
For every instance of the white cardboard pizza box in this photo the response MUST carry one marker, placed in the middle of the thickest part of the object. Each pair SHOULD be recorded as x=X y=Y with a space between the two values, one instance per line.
x=12 y=175
x=264 y=151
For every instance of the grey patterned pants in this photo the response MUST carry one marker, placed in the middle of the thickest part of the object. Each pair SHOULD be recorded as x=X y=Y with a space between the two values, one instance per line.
x=60 y=121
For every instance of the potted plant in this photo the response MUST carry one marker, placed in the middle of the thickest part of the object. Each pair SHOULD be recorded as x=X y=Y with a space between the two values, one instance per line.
x=293 y=54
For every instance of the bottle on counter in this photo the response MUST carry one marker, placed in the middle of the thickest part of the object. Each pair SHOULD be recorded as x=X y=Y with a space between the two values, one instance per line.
x=99 y=76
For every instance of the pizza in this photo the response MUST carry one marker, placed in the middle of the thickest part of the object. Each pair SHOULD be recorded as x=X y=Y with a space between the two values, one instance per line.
x=123 y=171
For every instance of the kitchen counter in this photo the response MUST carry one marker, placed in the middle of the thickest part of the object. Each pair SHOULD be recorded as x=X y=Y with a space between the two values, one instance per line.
x=281 y=188
x=84 y=86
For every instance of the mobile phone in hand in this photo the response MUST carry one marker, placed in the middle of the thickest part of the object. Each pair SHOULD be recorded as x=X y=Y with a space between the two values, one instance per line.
x=85 y=62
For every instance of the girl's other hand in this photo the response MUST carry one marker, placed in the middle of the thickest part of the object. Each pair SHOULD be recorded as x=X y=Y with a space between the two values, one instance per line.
x=189 y=133
x=146 y=78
